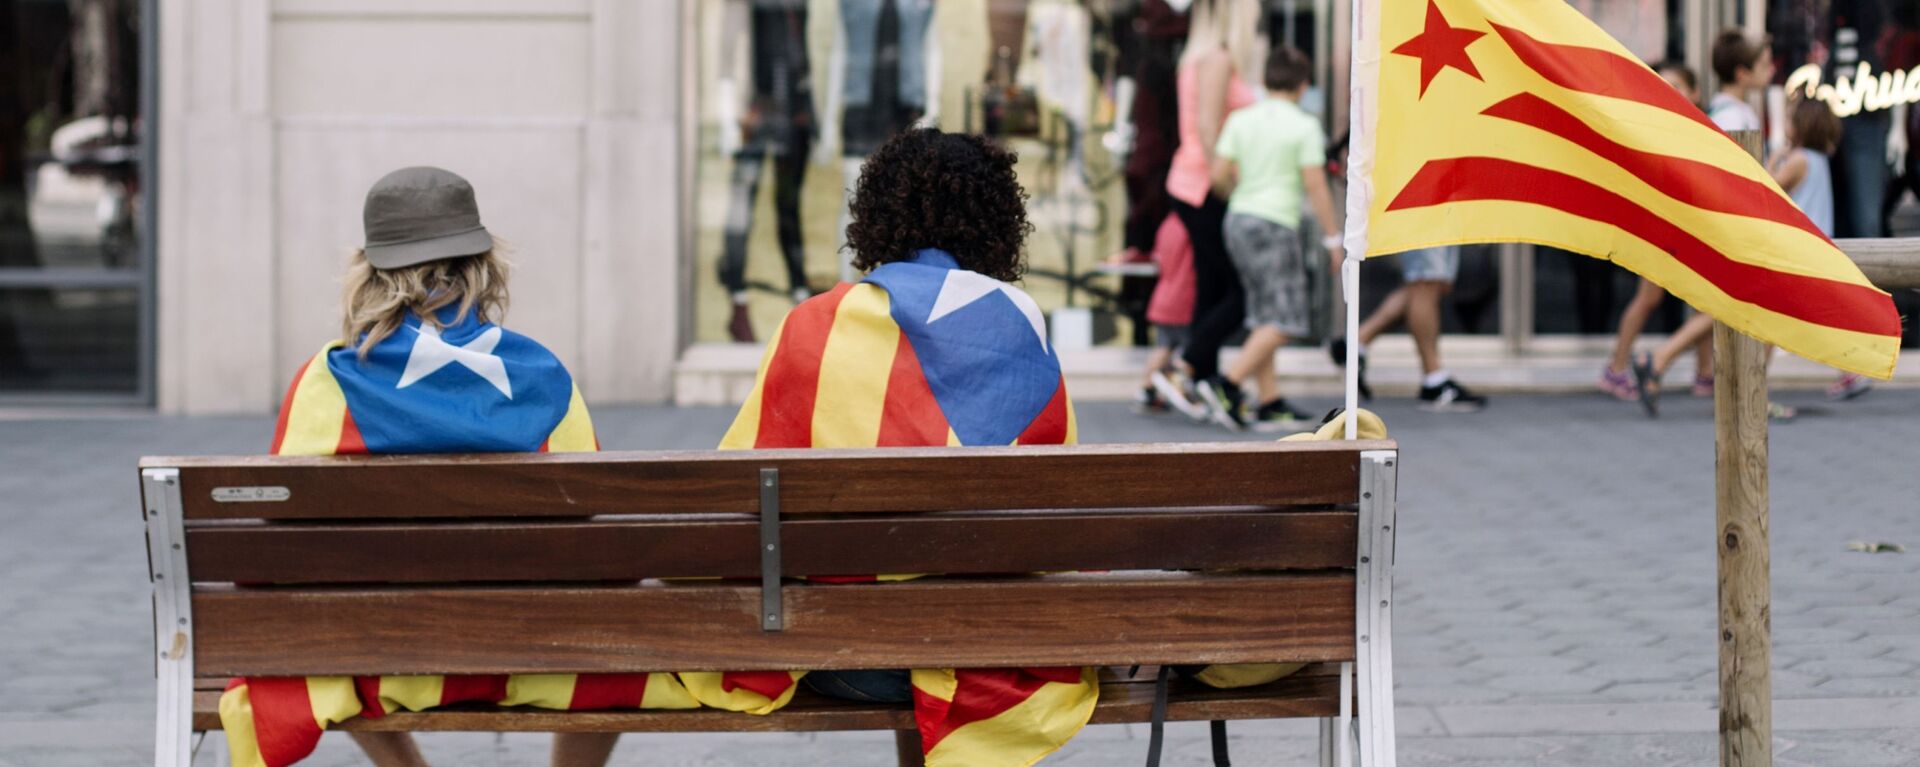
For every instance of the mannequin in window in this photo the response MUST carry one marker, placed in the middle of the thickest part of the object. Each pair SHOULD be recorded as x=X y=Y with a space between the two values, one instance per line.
x=883 y=77
x=765 y=96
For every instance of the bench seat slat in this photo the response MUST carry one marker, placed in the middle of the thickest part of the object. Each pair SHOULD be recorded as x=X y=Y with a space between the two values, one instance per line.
x=1071 y=620
x=632 y=549
x=812 y=481
x=1121 y=701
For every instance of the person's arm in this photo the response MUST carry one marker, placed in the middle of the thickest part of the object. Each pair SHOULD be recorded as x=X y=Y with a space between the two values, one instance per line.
x=1226 y=176
x=1788 y=169
x=1313 y=180
x=1211 y=79
x=1321 y=198
x=1224 y=173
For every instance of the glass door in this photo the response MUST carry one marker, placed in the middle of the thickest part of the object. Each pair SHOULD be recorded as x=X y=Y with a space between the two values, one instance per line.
x=76 y=286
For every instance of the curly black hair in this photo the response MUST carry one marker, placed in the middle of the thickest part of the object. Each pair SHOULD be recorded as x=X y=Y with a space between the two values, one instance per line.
x=956 y=192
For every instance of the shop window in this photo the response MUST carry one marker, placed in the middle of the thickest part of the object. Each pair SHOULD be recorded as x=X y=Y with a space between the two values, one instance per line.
x=72 y=276
x=795 y=93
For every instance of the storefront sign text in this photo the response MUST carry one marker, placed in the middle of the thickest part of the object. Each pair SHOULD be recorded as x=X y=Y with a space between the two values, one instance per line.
x=1864 y=92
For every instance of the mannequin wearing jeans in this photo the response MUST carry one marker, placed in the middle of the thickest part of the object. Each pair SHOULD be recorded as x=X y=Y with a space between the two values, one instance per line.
x=884 y=77
x=778 y=130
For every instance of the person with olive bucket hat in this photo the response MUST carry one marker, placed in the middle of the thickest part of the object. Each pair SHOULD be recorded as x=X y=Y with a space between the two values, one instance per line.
x=419 y=367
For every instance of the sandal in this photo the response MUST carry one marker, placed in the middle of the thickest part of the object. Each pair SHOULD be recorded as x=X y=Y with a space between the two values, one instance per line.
x=1647 y=384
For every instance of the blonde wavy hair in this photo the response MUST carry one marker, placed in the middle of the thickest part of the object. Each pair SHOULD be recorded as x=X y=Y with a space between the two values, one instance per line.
x=378 y=300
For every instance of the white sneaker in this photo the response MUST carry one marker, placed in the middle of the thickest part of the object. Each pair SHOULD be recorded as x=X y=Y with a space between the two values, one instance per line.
x=1173 y=388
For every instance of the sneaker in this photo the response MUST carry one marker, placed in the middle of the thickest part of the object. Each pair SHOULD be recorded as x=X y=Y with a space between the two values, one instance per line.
x=1849 y=386
x=1450 y=397
x=1278 y=415
x=1224 y=401
x=1780 y=413
x=1337 y=349
x=1148 y=402
x=1618 y=383
x=1173 y=389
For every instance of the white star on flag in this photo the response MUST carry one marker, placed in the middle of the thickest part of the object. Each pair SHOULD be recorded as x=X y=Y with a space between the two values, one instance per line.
x=963 y=288
x=430 y=353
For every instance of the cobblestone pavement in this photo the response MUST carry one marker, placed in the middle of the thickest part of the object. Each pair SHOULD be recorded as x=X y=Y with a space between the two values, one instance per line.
x=1555 y=579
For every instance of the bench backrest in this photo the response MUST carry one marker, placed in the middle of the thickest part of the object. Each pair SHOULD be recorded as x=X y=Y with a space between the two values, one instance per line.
x=534 y=563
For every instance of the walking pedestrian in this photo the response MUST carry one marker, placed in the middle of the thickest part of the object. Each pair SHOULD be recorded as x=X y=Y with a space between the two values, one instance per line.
x=1271 y=160
x=1223 y=44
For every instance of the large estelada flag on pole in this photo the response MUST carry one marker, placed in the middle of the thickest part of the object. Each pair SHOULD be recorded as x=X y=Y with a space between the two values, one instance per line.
x=1522 y=121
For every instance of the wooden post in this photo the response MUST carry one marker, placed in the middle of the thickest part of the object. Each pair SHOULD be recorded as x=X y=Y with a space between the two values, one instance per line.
x=1740 y=485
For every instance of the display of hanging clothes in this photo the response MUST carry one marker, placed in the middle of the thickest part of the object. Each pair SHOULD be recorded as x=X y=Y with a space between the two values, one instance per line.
x=884 y=83
x=1055 y=63
x=966 y=58
x=777 y=131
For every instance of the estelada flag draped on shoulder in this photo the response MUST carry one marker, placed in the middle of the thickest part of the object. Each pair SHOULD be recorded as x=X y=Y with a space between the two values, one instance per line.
x=1522 y=121
x=463 y=386
x=923 y=353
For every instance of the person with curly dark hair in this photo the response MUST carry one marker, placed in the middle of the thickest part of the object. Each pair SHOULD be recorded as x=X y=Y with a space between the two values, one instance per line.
x=932 y=347
x=949 y=191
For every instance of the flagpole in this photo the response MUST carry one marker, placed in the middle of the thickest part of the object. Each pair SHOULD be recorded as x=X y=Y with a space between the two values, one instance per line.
x=1350 y=288
x=1742 y=546
x=1359 y=167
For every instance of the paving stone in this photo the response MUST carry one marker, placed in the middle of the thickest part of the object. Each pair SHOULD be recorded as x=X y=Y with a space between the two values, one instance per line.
x=1889 y=686
x=1840 y=749
x=1439 y=695
x=1661 y=691
x=1547 y=684
x=1524 y=664
x=1629 y=671
x=1855 y=668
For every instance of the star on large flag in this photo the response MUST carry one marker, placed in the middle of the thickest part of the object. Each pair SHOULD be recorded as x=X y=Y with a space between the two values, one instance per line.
x=431 y=353
x=1522 y=121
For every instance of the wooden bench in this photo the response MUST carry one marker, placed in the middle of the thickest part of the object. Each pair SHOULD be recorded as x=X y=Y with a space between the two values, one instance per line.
x=495 y=564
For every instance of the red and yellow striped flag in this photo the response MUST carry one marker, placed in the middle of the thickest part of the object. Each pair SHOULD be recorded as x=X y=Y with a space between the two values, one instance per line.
x=1522 y=121
x=893 y=362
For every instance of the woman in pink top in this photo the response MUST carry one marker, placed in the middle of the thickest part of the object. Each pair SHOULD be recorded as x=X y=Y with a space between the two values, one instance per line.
x=1223 y=41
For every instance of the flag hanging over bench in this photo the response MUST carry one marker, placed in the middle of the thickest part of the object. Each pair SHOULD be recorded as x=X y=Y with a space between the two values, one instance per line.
x=1514 y=121
x=924 y=354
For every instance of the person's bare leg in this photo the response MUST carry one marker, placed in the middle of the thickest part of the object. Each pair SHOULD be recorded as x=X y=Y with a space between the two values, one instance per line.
x=1695 y=331
x=1423 y=322
x=1390 y=310
x=1255 y=354
x=390 y=749
x=583 y=749
x=1703 y=355
x=1698 y=329
x=1632 y=321
x=1268 y=379
x=1156 y=362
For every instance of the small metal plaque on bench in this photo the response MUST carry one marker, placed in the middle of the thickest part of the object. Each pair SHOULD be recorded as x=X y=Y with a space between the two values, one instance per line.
x=250 y=494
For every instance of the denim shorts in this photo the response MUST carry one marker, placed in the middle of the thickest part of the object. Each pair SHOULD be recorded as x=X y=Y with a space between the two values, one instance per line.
x=863 y=686
x=1170 y=336
x=1431 y=264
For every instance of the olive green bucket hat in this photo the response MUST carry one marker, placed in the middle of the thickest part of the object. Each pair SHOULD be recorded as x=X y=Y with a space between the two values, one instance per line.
x=421 y=214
